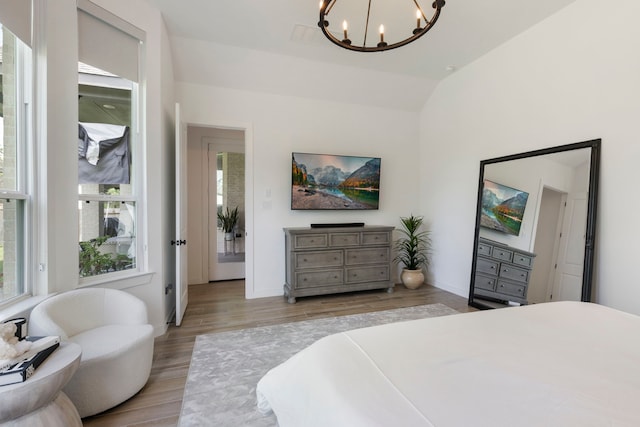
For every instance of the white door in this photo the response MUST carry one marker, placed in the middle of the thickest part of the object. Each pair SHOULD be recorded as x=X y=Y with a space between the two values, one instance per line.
x=181 y=218
x=568 y=278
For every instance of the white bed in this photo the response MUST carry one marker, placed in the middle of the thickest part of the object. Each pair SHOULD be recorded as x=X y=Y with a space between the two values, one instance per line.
x=553 y=364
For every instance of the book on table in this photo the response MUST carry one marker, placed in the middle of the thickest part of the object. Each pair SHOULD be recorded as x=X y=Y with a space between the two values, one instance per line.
x=38 y=343
x=22 y=367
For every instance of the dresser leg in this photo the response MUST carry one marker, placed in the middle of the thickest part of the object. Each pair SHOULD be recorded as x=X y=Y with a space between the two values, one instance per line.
x=390 y=290
x=291 y=300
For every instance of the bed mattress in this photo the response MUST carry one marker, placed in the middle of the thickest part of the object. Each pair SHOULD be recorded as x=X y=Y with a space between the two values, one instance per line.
x=552 y=364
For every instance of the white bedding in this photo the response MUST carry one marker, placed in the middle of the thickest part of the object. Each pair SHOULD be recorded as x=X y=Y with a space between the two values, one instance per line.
x=553 y=364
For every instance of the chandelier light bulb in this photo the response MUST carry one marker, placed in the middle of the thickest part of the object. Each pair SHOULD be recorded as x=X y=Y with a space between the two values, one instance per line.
x=382 y=42
x=344 y=28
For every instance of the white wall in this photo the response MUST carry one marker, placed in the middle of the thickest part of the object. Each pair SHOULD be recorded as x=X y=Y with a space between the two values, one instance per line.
x=58 y=123
x=573 y=77
x=279 y=125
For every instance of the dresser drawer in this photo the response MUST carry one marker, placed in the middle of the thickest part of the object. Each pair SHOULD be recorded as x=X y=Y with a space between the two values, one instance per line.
x=502 y=254
x=318 y=259
x=484 y=282
x=523 y=260
x=344 y=239
x=513 y=289
x=309 y=241
x=314 y=279
x=484 y=249
x=367 y=274
x=514 y=273
x=375 y=238
x=366 y=256
x=487 y=266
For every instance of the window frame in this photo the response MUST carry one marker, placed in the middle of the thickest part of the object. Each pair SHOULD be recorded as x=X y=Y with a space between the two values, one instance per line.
x=26 y=173
x=136 y=198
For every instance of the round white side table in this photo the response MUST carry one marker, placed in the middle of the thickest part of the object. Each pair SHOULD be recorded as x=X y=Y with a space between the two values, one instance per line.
x=39 y=401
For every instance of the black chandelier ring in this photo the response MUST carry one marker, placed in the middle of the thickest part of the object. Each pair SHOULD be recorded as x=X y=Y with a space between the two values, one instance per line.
x=423 y=24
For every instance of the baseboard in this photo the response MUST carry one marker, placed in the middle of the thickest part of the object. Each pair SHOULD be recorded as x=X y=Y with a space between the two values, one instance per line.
x=460 y=291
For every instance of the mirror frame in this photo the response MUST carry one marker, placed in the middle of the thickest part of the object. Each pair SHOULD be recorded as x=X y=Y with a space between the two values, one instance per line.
x=592 y=204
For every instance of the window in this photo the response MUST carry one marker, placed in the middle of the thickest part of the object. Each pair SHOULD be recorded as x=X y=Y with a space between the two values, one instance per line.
x=15 y=92
x=108 y=144
x=106 y=188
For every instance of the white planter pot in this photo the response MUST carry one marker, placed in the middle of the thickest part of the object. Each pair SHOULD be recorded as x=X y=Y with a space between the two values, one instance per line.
x=412 y=279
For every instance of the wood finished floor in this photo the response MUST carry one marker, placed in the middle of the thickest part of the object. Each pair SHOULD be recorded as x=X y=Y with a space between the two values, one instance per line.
x=221 y=306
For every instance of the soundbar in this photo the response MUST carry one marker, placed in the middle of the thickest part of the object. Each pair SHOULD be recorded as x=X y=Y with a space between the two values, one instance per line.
x=338 y=224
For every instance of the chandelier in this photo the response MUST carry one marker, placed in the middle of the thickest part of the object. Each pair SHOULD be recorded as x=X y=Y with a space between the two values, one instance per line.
x=356 y=30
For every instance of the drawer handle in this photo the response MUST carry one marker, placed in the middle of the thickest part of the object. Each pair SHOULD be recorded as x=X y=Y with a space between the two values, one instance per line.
x=304 y=280
x=493 y=267
x=304 y=260
x=521 y=259
x=522 y=275
x=506 y=270
x=502 y=286
x=480 y=247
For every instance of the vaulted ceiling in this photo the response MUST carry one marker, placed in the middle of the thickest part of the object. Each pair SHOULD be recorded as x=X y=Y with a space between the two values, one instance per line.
x=276 y=46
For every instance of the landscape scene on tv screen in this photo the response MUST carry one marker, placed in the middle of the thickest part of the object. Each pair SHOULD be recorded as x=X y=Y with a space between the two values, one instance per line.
x=324 y=181
x=502 y=207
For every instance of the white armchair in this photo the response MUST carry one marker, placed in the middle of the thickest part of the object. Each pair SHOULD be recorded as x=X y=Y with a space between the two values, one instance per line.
x=112 y=329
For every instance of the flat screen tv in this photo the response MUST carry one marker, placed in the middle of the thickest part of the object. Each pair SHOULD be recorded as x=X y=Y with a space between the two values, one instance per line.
x=334 y=182
x=502 y=207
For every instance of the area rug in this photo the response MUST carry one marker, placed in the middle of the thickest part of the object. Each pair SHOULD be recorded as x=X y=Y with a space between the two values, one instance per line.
x=226 y=366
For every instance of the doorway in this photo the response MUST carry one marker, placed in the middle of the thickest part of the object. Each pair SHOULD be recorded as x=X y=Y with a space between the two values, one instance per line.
x=559 y=247
x=218 y=178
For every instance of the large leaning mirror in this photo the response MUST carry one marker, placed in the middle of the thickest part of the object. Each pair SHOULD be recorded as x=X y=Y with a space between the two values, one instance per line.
x=535 y=227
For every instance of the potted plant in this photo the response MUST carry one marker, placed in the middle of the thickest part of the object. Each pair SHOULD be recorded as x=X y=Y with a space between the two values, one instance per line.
x=228 y=220
x=413 y=250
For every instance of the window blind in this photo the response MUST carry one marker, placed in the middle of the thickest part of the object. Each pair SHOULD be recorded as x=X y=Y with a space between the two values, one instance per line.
x=108 y=42
x=16 y=16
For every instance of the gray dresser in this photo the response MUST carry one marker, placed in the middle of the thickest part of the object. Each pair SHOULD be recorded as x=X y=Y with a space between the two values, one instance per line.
x=502 y=272
x=341 y=259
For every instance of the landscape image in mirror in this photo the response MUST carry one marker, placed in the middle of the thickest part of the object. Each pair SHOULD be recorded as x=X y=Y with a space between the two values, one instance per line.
x=502 y=207
x=323 y=181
